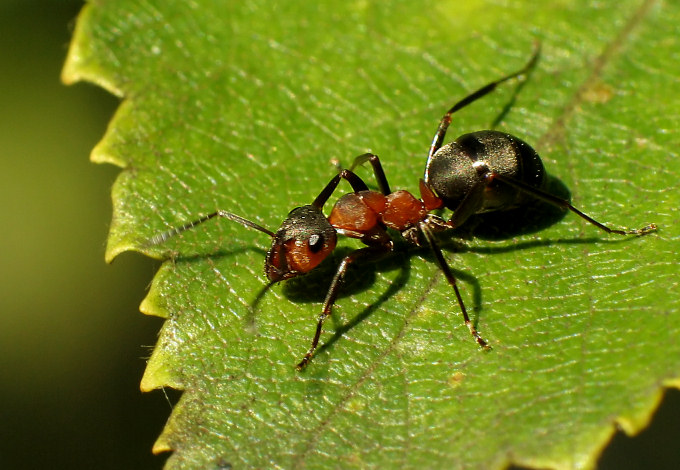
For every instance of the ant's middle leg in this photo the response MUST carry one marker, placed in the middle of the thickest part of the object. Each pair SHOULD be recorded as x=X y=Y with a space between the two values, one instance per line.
x=380 y=177
x=444 y=266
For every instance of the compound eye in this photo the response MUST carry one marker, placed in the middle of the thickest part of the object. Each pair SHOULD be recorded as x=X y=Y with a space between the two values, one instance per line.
x=315 y=243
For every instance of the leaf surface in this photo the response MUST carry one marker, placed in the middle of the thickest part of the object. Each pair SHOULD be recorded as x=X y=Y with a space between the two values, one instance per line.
x=243 y=105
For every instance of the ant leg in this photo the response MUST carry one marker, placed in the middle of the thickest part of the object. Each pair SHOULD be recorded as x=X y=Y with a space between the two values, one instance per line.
x=474 y=96
x=443 y=265
x=163 y=237
x=469 y=205
x=377 y=170
x=564 y=204
x=354 y=180
x=368 y=253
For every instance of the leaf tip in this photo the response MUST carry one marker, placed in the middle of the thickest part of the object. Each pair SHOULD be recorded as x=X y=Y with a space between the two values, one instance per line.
x=81 y=59
x=70 y=73
x=152 y=304
x=115 y=249
x=161 y=445
x=101 y=152
x=639 y=419
x=157 y=375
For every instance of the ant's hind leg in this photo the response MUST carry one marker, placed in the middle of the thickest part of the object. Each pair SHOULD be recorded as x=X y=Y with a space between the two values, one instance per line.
x=474 y=96
x=564 y=204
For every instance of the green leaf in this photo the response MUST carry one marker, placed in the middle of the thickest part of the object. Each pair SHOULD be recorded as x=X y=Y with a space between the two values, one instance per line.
x=243 y=105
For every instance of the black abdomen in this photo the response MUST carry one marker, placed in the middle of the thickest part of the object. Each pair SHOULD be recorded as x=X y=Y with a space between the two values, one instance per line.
x=451 y=174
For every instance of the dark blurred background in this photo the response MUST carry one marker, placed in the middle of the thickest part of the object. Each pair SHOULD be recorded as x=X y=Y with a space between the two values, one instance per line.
x=72 y=341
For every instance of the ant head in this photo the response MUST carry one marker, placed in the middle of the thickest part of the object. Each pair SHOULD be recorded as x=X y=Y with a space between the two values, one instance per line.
x=303 y=241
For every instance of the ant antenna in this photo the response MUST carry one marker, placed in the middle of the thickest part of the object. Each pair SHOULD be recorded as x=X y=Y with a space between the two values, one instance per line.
x=163 y=237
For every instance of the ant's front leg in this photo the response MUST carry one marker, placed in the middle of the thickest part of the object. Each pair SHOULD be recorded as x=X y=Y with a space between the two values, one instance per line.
x=368 y=253
x=355 y=181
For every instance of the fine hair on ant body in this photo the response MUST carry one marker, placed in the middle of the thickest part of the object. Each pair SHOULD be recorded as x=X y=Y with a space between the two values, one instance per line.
x=479 y=172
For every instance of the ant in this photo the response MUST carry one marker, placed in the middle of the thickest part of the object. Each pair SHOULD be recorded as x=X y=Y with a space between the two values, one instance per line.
x=479 y=172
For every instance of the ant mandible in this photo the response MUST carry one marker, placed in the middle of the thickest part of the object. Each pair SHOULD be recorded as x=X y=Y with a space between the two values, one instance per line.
x=483 y=171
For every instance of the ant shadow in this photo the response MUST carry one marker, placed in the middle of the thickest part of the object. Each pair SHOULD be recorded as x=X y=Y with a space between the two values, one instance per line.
x=177 y=257
x=496 y=226
x=401 y=260
x=360 y=277
x=513 y=98
x=532 y=216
